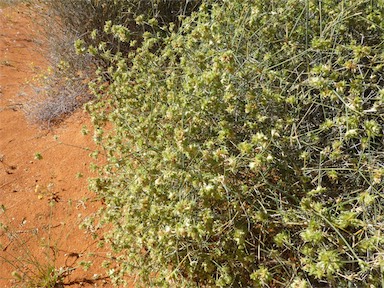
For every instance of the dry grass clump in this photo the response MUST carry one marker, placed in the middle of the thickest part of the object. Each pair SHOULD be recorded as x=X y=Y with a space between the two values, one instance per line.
x=5 y=3
x=55 y=100
x=63 y=88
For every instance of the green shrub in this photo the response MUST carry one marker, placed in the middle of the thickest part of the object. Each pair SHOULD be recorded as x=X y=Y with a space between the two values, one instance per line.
x=63 y=22
x=247 y=151
x=83 y=19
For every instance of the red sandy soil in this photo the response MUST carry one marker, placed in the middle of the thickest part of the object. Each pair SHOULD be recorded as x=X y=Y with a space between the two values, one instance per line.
x=28 y=185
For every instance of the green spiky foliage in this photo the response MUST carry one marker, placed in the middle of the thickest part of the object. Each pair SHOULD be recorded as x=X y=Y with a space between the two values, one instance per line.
x=247 y=151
